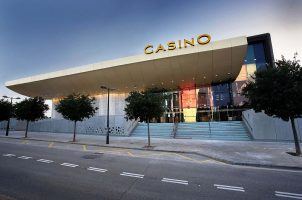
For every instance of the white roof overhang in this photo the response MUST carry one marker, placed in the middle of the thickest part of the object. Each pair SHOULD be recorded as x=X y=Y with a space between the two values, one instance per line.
x=215 y=62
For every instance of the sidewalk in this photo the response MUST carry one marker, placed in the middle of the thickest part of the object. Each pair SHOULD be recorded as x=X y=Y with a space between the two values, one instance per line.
x=250 y=153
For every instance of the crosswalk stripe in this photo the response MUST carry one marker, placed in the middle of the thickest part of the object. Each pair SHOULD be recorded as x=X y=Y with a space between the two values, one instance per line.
x=132 y=175
x=9 y=155
x=184 y=182
x=25 y=157
x=288 y=195
x=97 y=169
x=69 y=165
x=228 y=187
x=45 y=161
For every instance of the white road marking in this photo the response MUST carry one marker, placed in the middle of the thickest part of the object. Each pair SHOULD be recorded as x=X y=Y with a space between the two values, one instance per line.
x=132 y=175
x=168 y=180
x=288 y=195
x=228 y=187
x=9 y=155
x=45 y=161
x=97 y=169
x=69 y=165
x=25 y=157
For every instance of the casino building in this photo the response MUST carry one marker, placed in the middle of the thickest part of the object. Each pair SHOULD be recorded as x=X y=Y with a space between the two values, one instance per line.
x=204 y=78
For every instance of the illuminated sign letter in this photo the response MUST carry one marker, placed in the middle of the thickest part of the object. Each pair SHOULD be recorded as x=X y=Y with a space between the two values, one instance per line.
x=148 y=47
x=190 y=42
x=160 y=48
x=171 y=45
x=200 y=37
x=179 y=44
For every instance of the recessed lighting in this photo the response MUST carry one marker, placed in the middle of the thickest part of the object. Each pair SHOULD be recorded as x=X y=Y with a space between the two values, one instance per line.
x=204 y=77
x=216 y=75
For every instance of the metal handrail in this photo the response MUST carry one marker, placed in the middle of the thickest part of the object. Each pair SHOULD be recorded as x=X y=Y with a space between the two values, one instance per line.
x=175 y=126
x=246 y=122
x=132 y=126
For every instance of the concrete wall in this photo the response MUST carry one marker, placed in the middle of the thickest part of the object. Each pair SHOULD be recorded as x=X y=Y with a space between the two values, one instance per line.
x=116 y=105
x=93 y=126
x=263 y=127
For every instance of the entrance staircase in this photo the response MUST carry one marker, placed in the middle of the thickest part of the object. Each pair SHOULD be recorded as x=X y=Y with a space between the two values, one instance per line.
x=229 y=130
x=157 y=130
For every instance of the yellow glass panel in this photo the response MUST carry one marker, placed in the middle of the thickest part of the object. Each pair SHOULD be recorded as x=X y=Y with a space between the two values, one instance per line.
x=189 y=114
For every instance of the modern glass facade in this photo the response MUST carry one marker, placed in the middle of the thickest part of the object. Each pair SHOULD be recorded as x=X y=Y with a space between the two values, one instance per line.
x=223 y=101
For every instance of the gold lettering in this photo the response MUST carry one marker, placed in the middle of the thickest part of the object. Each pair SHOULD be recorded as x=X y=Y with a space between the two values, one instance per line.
x=179 y=44
x=146 y=49
x=160 y=48
x=190 y=42
x=171 y=45
x=200 y=37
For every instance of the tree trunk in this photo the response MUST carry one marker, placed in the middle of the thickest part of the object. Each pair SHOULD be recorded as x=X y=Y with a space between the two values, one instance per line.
x=297 y=144
x=27 y=122
x=7 y=127
x=74 y=131
x=149 y=143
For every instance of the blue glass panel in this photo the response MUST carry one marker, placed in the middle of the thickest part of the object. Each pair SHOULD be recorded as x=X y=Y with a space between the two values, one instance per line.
x=221 y=95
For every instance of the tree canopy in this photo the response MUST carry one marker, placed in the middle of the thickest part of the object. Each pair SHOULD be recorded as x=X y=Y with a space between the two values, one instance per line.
x=145 y=105
x=278 y=90
x=6 y=110
x=76 y=107
x=31 y=109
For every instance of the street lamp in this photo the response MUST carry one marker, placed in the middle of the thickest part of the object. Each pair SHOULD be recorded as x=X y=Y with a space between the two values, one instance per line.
x=108 y=91
x=11 y=102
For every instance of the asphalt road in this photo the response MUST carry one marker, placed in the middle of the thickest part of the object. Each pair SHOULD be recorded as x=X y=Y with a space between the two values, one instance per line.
x=36 y=170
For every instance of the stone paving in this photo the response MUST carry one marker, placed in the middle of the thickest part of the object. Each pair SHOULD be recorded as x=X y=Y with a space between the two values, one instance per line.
x=251 y=153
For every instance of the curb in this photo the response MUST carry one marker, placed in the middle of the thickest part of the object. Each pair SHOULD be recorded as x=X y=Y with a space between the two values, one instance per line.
x=225 y=161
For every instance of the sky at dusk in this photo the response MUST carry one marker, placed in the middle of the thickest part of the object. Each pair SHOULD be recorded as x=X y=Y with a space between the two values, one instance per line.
x=39 y=36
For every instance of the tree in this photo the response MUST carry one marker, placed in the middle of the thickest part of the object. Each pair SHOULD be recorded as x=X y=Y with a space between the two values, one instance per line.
x=278 y=92
x=6 y=112
x=31 y=109
x=76 y=107
x=145 y=106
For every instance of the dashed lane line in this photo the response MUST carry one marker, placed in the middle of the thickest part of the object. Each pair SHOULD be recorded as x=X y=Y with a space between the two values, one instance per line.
x=24 y=142
x=69 y=165
x=84 y=147
x=45 y=161
x=169 y=180
x=130 y=154
x=192 y=159
x=25 y=157
x=97 y=169
x=288 y=195
x=132 y=175
x=228 y=187
x=50 y=145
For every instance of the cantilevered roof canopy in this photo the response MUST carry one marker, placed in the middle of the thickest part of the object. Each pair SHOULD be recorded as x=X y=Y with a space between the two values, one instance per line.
x=201 y=65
